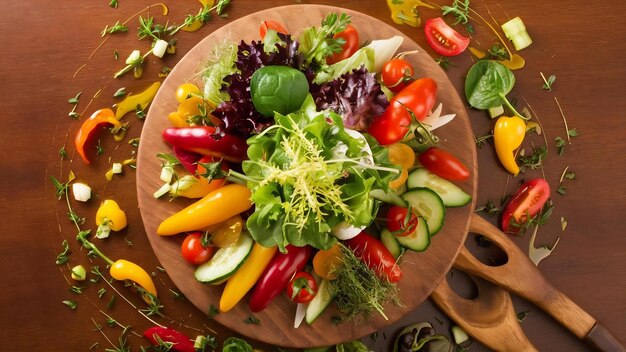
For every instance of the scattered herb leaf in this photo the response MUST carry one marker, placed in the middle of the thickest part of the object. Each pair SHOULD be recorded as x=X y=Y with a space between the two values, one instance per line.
x=70 y=303
x=548 y=82
x=252 y=320
x=120 y=92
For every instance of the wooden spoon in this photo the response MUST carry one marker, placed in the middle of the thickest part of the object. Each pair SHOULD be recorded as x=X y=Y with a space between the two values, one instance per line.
x=520 y=276
x=489 y=318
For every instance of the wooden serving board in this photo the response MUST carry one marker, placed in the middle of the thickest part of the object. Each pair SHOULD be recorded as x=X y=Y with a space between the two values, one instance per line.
x=422 y=272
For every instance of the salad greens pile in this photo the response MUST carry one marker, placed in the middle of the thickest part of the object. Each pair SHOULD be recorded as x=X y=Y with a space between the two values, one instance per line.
x=308 y=174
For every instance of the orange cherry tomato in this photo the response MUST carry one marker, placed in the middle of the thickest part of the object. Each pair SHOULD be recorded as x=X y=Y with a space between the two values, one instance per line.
x=327 y=262
x=273 y=25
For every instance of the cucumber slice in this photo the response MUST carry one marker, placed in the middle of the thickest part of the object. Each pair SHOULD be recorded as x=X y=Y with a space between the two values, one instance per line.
x=388 y=197
x=418 y=240
x=451 y=194
x=515 y=30
x=319 y=303
x=426 y=203
x=391 y=243
x=225 y=261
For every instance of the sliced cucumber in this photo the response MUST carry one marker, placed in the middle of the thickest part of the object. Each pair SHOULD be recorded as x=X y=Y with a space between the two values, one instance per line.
x=426 y=203
x=225 y=261
x=391 y=243
x=451 y=194
x=418 y=240
x=388 y=197
x=319 y=303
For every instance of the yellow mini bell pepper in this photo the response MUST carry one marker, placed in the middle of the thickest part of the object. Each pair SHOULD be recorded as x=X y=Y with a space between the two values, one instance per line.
x=508 y=134
x=217 y=206
x=131 y=102
x=193 y=187
x=245 y=278
x=109 y=217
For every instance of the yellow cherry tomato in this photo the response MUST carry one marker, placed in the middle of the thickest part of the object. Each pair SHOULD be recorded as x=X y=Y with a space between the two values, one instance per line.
x=327 y=262
x=402 y=155
x=186 y=91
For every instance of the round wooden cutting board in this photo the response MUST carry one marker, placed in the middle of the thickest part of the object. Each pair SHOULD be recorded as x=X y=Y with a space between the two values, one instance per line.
x=422 y=272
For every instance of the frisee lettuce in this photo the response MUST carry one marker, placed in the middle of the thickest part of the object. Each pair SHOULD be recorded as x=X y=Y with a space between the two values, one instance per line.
x=303 y=187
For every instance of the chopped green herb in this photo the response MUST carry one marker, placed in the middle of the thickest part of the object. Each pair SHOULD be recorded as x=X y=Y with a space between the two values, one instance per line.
x=101 y=292
x=560 y=145
x=76 y=289
x=140 y=113
x=213 y=311
x=498 y=52
x=570 y=175
x=221 y=5
x=134 y=142
x=62 y=257
x=252 y=320
x=533 y=161
x=480 y=141
x=459 y=9
x=74 y=100
x=489 y=208
x=120 y=92
x=444 y=62
x=116 y=55
x=99 y=148
x=116 y=28
x=547 y=82
x=71 y=304
x=74 y=115
x=61 y=188
x=63 y=153
x=561 y=189
x=572 y=132
x=469 y=27
x=113 y=4
x=521 y=316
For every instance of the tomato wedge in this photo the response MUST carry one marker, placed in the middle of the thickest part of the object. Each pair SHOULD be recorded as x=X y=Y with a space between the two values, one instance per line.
x=443 y=39
x=273 y=25
x=351 y=45
x=525 y=203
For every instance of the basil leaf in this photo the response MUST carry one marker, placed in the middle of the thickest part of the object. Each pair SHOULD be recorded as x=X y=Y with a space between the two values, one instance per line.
x=487 y=84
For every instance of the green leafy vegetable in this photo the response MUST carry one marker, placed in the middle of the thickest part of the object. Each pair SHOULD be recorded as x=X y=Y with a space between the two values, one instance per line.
x=363 y=57
x=317 y=42
x=487 y=84
x=233 y=344
x=278 y=89
x=307 y=174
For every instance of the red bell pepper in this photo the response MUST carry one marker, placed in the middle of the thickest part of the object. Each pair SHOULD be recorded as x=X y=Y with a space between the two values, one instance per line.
x=180 y=342
x=98 y=118
x=277 y=275
x=204 y=140
x=375 y=255
x=188 y=159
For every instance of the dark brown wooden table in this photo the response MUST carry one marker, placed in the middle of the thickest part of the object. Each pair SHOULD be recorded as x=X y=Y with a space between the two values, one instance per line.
x=45 y=43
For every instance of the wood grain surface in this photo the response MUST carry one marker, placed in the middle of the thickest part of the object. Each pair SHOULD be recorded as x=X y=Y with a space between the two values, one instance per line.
x=421 y=272
x=49 y=57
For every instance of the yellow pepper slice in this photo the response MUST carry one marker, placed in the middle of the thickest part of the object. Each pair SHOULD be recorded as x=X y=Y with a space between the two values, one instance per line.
x=243 y=280
x=142 y=99
x=405 y=12
x=508 y=134
x=109 y=217
x=214 y=208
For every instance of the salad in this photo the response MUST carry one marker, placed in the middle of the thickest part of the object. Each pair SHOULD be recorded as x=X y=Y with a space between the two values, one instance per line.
x=314 y=167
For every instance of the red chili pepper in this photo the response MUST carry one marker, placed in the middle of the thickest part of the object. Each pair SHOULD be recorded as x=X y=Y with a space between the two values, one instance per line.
x=188 y=159
x=181 y=343
x=375 y=255
x=204 y=140
x=98 y=118
x=277 y=275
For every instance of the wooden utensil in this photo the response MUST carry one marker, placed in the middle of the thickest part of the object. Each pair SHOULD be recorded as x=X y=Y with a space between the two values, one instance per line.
x=520 y=276
x=490 y=317
x=421 y=271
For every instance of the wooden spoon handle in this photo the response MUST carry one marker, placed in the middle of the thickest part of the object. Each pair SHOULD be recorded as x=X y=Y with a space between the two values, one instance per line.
x=490 y=318
x=521 y=276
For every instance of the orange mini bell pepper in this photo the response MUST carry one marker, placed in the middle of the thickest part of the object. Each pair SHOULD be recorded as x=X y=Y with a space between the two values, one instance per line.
x=214 y=208
x=99 y=117
x=245 y=278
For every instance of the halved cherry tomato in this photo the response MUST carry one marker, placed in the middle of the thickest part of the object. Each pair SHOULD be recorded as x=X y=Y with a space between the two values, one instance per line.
x=302 y=288
x=194 y=251
x=351 y=45
x=396 y=73
x=443 y=164
x=393 y=125
x=443 y=39
x=273 y=25
x=525 y=203
x=401 y=221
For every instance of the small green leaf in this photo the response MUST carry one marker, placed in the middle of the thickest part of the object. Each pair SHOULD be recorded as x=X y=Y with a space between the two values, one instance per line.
x=120 y=92
x=71 y=304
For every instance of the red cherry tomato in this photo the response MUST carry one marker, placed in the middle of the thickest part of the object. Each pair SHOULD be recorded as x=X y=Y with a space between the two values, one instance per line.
x=351 y=36
x=443 y=39
x=400 y=222
x=271 y=24
x=302 y=288
x=525 y=203
x=393 y=125
x=443 y=164
x=396 y=73
x=193 y=251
